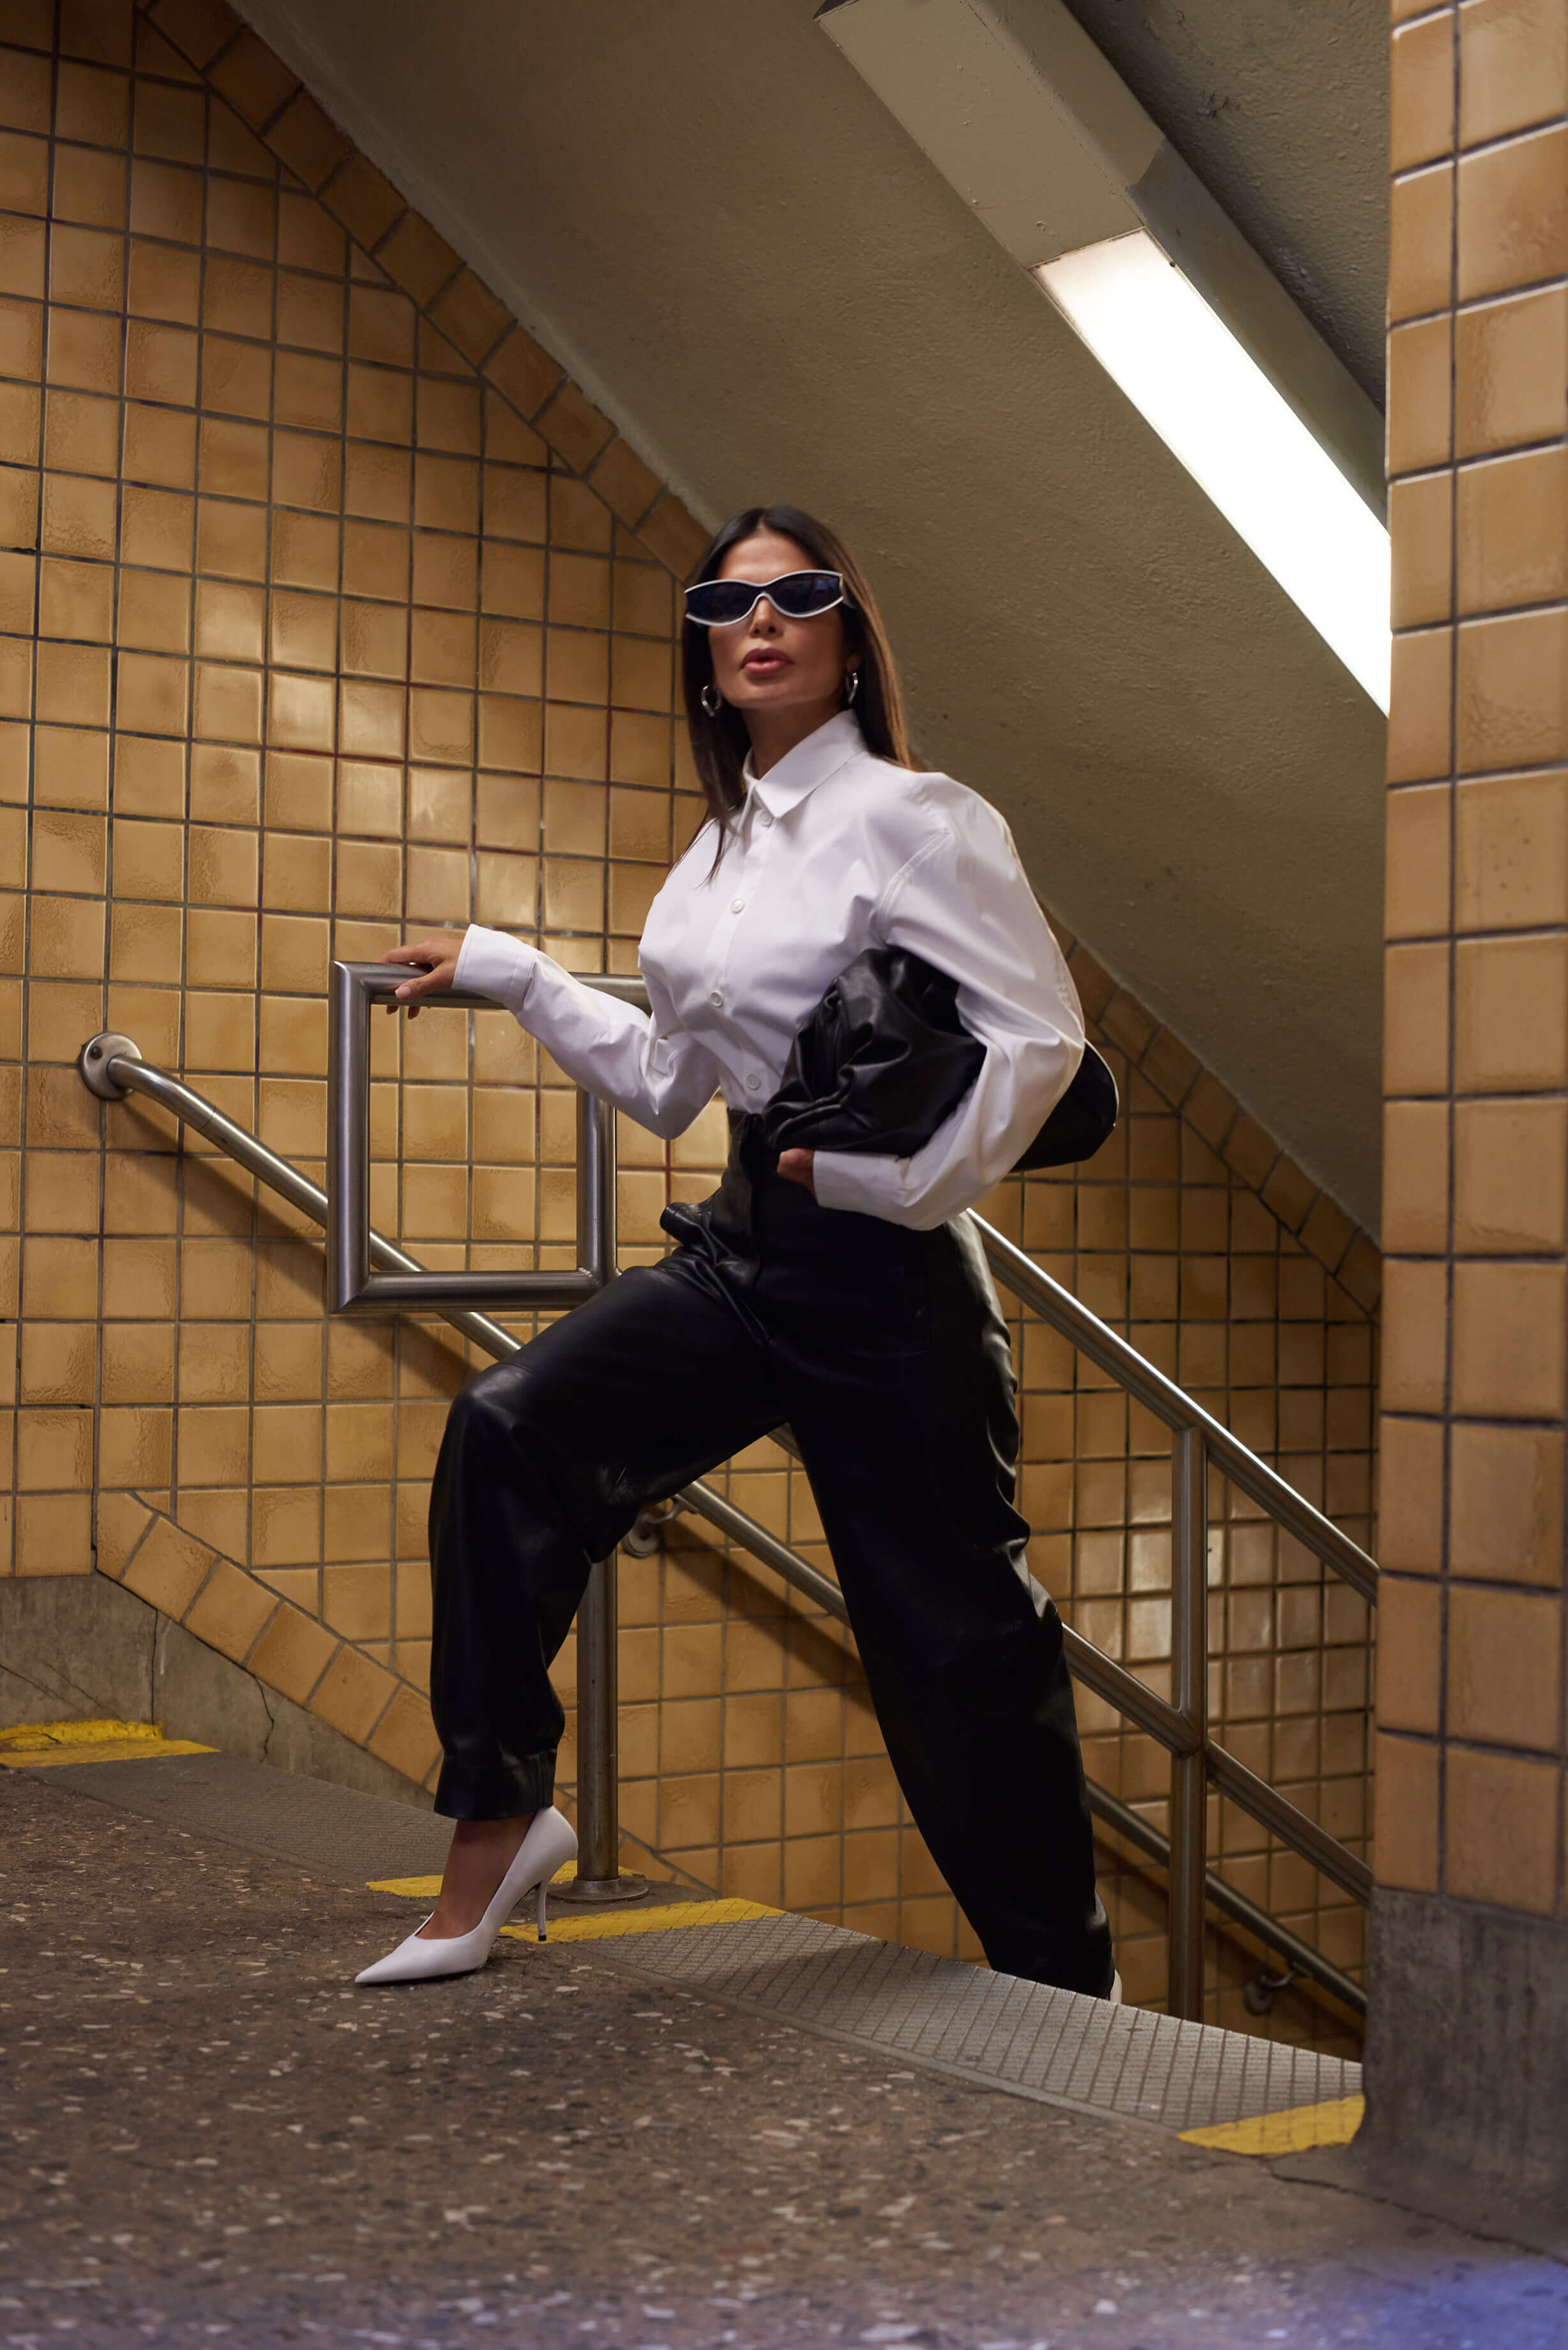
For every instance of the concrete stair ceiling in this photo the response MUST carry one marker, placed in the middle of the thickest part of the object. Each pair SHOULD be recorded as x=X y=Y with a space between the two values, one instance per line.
x=709 y=220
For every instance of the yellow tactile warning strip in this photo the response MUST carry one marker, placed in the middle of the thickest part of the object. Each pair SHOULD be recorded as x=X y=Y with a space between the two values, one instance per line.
x=425 y=1888
x=605 y=1922
x=666 y=1919
x=1295 y=2131
x=39 y=1745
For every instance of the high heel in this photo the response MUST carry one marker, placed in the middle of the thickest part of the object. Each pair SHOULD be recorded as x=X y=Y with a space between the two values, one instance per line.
x=549 y=1844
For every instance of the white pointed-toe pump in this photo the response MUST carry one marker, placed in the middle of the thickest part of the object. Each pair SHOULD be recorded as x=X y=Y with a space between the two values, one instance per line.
x=549 y=1844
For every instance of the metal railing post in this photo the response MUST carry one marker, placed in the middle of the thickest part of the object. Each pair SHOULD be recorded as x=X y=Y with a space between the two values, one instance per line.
x=598 y=1697
x=598 y=1746
x=595 y=1185
x=1189 y=1693
x=347 y=1145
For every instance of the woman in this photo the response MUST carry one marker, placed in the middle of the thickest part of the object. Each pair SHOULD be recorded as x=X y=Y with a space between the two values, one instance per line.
x=846 y=1294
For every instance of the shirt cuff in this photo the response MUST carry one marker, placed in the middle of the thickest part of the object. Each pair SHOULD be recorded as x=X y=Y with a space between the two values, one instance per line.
x=869 y=1185
x=491 y=964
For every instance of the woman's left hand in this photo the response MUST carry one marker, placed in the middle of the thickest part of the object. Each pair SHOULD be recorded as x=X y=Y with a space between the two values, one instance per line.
x=795 y=1167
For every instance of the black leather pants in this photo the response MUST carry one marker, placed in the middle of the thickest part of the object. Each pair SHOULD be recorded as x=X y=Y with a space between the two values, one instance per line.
x=885 y=1351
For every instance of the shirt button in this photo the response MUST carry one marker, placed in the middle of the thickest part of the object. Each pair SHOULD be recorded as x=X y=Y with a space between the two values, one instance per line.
x=753 y=1082
x=717 y=996
x=736 y=904
x=766 y=819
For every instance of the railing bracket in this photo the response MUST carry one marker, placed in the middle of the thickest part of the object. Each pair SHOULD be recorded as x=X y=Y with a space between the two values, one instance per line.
x=95 y=1064
x=1259 y=1991
x=647 y=1534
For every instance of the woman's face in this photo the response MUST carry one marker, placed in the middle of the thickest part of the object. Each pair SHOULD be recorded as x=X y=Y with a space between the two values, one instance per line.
x=764 y=662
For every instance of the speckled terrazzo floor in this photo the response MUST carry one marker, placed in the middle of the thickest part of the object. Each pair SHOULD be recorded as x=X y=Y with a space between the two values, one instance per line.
x=205 y=2131
x=984 y=2027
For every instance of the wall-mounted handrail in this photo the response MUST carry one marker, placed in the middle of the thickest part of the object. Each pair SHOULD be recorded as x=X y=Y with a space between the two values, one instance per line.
x=1173 y=1729
x=1034 y=1287
x=1130 y=1696
x=111 y=1066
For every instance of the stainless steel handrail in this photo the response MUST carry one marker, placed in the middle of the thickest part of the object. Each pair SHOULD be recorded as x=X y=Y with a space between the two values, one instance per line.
x=1029 y=1283
x=1130 y=1697
x=352 y=1287
x=111 y=1065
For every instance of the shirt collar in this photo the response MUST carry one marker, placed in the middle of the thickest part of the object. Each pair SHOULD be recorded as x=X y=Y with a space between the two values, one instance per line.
x=811 y=763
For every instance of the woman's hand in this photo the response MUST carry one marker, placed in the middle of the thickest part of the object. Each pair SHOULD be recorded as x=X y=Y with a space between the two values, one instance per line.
x=796 y=1167
x=440 y=954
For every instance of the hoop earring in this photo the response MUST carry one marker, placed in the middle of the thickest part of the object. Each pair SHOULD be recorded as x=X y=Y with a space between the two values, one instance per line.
x=712 y=700
x=851 y=687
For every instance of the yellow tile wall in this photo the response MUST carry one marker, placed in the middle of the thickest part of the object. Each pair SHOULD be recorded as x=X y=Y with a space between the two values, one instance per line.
x=329 y=609
x=1470 y=1672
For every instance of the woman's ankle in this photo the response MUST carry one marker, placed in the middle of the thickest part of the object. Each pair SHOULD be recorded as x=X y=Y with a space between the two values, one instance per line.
x=476 y=1834
x=481 y=1853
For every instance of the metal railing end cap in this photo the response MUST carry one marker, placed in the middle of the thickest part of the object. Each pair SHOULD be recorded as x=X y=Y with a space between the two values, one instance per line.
x=95 y=1064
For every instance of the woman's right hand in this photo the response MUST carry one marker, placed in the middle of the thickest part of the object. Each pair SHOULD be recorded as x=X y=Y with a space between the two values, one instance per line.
x=440 y=954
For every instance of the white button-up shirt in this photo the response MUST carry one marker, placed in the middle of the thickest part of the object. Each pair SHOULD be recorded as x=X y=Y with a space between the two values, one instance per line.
x=833 y=851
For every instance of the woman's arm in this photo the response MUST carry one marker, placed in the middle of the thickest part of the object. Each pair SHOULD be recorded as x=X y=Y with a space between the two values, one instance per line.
x=659 y=1074
x=964 y=903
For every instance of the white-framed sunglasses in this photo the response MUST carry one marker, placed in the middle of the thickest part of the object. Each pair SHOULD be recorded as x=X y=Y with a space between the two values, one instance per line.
x=795 y=596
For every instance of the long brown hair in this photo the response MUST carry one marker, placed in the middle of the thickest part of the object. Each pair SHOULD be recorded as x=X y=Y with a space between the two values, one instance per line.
x=719 y=744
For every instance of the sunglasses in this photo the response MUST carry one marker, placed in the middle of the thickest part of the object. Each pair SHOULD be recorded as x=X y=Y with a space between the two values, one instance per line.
x=797 y=596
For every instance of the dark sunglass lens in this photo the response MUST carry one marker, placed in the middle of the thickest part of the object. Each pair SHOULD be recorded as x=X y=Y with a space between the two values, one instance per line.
x=804 y=593
x=718 y=602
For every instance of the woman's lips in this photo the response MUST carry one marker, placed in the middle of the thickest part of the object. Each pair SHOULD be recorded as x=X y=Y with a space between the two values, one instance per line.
x=765 y=664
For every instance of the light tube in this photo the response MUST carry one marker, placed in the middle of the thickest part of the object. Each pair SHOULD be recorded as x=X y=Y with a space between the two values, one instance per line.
x=1215 y=410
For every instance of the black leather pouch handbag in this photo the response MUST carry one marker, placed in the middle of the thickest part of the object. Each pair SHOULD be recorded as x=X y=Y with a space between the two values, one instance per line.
x=885 y=1060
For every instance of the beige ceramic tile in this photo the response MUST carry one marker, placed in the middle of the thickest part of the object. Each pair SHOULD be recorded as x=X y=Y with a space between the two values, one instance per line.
x=1514 y=213
x=1512 y=852
x=1421 y=231
x=1416 y=1176
x=1511 y=533
x=230 y=1610
x=1511 y=1168
x=168 y=1568
x=1407 y=1814
x=1417 y=863
x=1513 y=67
x=1511 y=1015
x=1421 y=733
x=1500 y=1843
x=1508 y=1334
x=1420 y=518
x=1509 y=376
x=1505 y=1653
x=1506 y=1503
x=1511 y=691
x=1415 y=1336
x=1409 y=1654
x=1416 y=1019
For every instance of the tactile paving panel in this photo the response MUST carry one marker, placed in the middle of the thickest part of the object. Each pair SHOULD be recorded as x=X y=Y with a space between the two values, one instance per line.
x=991 y=2028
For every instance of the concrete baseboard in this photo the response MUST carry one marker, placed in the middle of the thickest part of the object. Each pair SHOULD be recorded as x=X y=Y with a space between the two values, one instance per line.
x=1466 y=2069
x=75 y=1646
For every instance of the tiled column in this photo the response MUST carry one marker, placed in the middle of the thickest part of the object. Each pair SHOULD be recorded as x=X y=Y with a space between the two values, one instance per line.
x=1468 y=2058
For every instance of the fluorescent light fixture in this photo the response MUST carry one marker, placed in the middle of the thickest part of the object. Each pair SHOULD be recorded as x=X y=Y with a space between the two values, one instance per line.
x=1215 y=410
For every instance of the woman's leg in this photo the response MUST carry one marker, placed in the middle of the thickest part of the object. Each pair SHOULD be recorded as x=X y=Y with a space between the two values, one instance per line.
x=545 y=1461
x=911 y=1454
